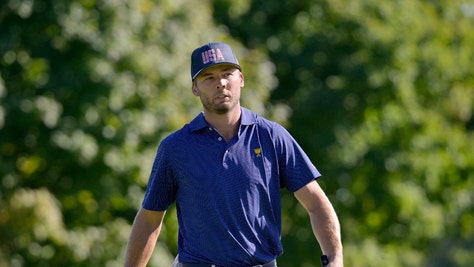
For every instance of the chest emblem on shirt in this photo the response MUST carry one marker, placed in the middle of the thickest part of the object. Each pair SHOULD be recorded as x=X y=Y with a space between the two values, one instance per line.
x=258 y=152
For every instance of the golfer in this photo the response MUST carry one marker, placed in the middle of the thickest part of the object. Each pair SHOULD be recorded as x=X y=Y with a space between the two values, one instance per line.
x=224 y=171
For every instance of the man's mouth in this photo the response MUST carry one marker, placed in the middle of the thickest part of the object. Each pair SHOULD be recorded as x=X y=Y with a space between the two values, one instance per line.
x=222 y=97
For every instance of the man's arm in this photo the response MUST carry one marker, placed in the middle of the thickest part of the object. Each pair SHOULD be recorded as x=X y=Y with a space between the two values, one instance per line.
x=145 y=231
x=324 y=221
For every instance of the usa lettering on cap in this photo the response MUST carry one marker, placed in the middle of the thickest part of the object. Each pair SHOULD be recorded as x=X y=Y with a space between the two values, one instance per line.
x=212 y=55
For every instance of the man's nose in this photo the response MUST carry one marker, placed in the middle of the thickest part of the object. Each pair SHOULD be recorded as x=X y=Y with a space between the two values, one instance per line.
x=221 y=83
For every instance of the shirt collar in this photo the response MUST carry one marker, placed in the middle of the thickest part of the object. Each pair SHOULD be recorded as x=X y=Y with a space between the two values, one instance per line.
x=247 y=117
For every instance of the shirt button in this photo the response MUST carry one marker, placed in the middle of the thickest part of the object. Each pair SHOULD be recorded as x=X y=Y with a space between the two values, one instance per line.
x=220 y=138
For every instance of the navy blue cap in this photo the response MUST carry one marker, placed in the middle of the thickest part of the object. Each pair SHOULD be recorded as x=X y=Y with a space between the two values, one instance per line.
x=212 y=54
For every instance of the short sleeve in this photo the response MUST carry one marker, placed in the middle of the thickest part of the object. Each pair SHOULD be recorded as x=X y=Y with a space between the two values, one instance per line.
x=296 y=168
x=161 y=189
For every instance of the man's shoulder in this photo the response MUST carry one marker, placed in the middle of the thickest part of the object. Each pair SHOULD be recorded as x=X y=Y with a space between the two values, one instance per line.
x=250 y=117
x=178 y=135
x=187 y=130
x=270 y=128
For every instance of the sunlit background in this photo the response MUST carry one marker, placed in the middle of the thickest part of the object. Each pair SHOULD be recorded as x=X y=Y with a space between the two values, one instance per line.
x=380 y=94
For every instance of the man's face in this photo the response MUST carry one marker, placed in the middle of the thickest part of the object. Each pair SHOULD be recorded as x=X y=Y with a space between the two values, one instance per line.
x=219 y=87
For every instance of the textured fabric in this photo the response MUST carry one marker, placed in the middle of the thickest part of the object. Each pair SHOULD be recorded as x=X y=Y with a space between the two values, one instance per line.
x=268 y=264
x=228 y=194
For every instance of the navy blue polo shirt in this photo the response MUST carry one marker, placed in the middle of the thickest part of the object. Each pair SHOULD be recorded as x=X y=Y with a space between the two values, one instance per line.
x=227 y=194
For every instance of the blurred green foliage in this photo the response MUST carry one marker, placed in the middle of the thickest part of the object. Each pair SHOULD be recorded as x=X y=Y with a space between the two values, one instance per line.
x=379 y=93
x=383 y=96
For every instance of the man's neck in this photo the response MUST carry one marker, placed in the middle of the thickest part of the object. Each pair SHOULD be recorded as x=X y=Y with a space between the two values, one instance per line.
x=226 y=124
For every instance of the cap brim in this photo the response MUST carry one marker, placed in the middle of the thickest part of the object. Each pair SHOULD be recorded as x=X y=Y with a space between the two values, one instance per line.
x=216 y=64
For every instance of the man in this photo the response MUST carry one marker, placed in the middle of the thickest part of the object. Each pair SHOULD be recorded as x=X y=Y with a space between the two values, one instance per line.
x=224 y=171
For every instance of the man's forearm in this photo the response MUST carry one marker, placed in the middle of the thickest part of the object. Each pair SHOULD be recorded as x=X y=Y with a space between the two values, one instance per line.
x=142 y=239
x=139 y=250
x=324 y=221
x=326 y=228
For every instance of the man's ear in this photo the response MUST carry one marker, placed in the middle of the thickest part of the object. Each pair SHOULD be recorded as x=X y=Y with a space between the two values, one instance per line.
x=195 y=89
x=242 y=80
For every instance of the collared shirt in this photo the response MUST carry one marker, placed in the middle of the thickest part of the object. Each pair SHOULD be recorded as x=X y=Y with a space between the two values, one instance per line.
x=227 y=194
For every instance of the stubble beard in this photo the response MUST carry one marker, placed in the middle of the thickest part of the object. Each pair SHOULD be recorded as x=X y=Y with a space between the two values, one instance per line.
x=221 y=108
